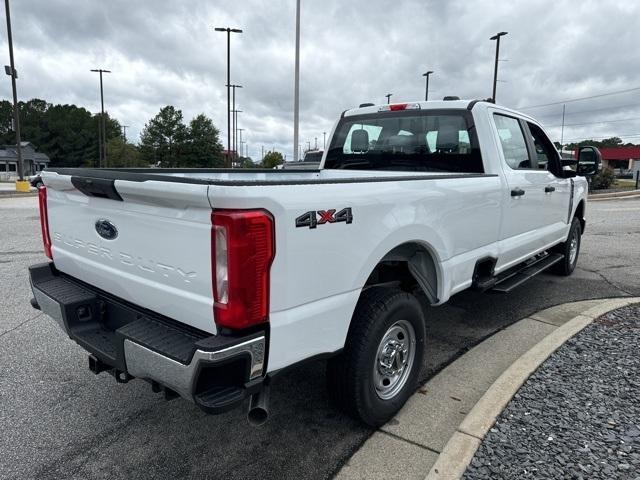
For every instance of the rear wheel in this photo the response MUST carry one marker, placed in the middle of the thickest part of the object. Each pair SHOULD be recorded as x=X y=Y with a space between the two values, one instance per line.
x=570 y=249
x=378 y=369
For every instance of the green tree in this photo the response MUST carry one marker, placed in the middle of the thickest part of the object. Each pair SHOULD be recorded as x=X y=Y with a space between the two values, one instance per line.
x=163 y=138
x=607 y=142
x=123 y=154
x=246 y=162
x=203 y=147
x=6 y=114
x=272 y=159
x=67 y=133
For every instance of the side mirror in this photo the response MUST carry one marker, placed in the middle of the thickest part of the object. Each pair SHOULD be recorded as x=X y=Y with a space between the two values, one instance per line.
x=568 y=172
x=589 y=161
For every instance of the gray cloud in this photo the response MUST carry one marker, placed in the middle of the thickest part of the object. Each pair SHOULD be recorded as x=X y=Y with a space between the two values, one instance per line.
x=165 y=52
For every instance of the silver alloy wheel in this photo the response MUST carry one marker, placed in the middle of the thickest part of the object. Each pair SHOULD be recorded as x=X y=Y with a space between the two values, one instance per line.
x=394 y=359
x=573 y=247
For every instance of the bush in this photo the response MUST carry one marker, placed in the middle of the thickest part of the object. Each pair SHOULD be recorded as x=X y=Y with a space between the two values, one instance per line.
x=603 y=180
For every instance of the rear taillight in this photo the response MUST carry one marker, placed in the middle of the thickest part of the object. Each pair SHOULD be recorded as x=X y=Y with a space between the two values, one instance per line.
x=44 y=221
x=242 y=250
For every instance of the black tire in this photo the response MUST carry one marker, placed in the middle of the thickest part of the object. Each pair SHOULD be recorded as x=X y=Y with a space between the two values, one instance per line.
x=565 y=266
x=350 y=375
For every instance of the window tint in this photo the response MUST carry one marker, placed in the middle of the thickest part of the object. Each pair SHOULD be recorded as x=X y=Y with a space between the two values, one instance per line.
x=406 y=141
x=514 y=145
x=546 y=153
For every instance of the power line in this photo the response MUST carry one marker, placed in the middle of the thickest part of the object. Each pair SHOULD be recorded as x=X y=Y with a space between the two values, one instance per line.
x=599 y=138
x=580 y=99
x=628 y=105
x=594 y=123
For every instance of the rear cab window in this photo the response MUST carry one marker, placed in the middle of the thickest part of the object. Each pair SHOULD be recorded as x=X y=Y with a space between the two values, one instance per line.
x=410 y=140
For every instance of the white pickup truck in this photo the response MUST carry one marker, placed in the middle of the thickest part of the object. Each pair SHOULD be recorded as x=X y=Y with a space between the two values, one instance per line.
x=208 y=283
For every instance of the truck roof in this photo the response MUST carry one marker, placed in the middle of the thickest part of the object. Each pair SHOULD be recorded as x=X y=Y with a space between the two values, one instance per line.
x=462 y=104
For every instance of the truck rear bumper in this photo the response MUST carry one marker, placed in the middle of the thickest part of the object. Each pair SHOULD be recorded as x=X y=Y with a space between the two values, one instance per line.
x=215 y=371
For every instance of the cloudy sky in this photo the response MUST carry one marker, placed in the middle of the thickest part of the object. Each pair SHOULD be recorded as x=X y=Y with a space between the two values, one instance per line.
x=166 y=52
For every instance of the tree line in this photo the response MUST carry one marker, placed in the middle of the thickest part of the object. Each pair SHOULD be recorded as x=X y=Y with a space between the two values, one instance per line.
x=69 y=135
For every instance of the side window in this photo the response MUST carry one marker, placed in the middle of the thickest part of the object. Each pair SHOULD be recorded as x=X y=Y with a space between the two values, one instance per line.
x=514 y=145
x=546 y=153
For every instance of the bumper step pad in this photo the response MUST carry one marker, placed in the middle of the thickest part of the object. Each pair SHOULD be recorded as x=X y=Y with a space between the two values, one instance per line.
x=175 y=343
x=215 y=371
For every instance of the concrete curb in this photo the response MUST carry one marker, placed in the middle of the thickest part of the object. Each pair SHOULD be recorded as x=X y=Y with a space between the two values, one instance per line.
x=612 y=195
x=459 y=450
x=7 y=194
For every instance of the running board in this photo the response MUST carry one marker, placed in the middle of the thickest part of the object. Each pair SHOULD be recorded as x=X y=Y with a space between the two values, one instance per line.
x=516 y=278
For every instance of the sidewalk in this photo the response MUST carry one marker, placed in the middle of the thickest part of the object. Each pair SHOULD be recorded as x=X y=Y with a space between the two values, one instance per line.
x=440 y=428
x=578 y=415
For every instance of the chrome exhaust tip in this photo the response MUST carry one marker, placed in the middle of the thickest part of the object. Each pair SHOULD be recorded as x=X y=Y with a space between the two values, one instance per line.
x=258 y=413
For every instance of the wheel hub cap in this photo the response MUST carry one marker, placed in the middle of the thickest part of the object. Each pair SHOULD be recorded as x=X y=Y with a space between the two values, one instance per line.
x=573 y=248
x=394 y=359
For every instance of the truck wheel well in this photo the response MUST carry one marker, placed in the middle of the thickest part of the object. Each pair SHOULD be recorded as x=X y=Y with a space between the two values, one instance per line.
x=409 y=266
x=580 y=214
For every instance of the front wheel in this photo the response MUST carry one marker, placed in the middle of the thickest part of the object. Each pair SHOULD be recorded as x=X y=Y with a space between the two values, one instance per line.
x=570 y=250
x=378 y=369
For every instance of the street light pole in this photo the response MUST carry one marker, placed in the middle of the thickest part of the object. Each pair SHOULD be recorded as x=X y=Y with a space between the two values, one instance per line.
x=240 y=130
x=496 y=37
x=234 y=119
x=324 y=140
x=296 y=87
x=103 y=128
x=426 y=92
x=229 y=31
x=124 y=132
x=11 y=70
x=564 y=106
x=388 y=95
x=234 y=127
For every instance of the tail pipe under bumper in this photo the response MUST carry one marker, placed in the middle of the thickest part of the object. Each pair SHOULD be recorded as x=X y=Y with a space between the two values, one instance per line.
x=217 y=372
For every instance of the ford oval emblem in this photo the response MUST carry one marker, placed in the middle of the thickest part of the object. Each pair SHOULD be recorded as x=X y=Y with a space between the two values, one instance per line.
x=106 y=229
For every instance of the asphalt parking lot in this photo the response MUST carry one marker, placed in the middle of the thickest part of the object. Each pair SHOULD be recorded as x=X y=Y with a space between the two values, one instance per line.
x=58 y=420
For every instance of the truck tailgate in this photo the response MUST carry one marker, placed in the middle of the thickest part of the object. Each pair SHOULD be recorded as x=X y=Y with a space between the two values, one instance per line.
x=160 y=255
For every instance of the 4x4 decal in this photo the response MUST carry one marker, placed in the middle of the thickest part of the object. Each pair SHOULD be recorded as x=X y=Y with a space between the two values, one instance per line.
x=314 y=218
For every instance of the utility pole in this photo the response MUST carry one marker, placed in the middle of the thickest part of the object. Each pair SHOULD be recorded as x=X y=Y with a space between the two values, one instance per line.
x=388 y=95
x=316 y=143
x=99 y=142
x=426 y=92
x=229 y=31
x=496 y=37
x=103 y=147
x=235 y=131
x=324 y=140
x=296 y=81
x=240 y=130
x=234 y=119
x=124 y=132
x=564 y=106
x=262 y=158
x=11 y=70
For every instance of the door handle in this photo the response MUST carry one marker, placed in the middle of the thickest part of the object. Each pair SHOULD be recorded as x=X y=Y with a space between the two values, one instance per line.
x=517 y=192
x=549 y=189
